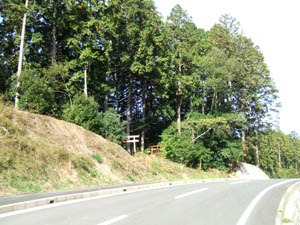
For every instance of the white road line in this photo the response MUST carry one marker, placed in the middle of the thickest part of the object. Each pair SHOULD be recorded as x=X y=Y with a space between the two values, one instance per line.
x=239 y=182
x=114 y=220
x=246 y=214
x=190 y=193
x=70 y=202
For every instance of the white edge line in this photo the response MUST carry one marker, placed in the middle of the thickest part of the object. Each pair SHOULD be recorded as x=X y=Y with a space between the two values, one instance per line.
x=239 y=182
x=246 y=214
x=114 y=220
x=190 y=193
x=69 y=202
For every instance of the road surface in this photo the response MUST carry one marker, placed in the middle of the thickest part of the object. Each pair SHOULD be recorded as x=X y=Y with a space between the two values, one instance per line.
x=246 y=202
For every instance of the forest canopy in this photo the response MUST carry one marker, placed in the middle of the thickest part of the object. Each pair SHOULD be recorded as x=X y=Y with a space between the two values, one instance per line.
x=117 y=68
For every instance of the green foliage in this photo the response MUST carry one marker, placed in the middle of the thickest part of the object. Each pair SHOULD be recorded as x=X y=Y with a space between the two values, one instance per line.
x=98 y=158
x=205 y=141
x=279 y=153
x=84 y=112
x=286 y=174
x=36 y=94
x=111 y=127
x=151 y=72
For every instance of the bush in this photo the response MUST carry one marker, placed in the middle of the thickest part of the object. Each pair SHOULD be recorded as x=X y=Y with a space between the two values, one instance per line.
x=84 y=112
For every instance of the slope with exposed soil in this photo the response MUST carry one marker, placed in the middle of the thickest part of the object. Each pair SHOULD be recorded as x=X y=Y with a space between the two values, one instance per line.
x=41 y=153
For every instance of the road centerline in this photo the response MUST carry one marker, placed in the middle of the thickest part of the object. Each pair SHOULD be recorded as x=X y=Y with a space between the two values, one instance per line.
x=243 y=219
x=114 y=220
x=190 y=193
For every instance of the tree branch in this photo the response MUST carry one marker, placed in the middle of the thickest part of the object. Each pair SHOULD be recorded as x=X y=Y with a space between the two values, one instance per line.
x=199 y=136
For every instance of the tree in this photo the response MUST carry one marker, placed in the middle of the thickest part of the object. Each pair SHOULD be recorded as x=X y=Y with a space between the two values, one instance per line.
x=205 y=141
x=20 y=63
x=181 y=32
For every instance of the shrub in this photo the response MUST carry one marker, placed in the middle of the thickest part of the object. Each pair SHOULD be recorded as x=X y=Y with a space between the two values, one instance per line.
x=84 y=112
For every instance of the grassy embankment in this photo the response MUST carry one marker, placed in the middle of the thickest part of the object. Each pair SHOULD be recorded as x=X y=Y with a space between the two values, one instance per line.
x=40 y=153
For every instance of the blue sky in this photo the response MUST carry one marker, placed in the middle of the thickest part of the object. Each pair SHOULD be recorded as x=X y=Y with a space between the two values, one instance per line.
x=273 y=25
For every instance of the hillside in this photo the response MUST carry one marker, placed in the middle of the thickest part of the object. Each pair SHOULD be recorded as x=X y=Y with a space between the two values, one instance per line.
x=41 y=153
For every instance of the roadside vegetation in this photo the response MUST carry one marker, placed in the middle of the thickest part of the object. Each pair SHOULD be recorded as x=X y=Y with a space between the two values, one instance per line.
x=116 y=68
x=40 y=153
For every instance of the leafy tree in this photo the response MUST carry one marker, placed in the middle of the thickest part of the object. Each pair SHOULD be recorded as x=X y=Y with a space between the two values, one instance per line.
x=35 y=92
x=205 y=141
x=181 y=33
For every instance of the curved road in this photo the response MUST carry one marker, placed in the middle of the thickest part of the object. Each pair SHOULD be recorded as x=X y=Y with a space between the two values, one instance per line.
x=247 y=202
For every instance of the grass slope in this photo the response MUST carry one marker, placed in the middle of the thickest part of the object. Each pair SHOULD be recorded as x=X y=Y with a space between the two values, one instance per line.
x=41 y=153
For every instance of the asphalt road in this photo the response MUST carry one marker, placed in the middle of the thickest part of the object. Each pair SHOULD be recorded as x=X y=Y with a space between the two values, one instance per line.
x=217 y=203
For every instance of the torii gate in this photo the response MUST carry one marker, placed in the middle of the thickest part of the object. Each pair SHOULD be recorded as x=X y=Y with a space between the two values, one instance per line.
x=133 y=139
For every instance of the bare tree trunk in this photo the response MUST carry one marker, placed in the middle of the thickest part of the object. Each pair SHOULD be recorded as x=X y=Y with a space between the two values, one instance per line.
x=85 y=81
x=21 y=53
x=129 y=106
x=144 y=115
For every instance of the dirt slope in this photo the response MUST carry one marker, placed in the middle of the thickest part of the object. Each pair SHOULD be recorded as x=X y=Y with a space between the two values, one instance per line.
x=41 y=153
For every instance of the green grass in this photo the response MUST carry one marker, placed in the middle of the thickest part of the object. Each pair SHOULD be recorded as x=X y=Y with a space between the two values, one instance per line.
x=30 y=161
x=98 y=158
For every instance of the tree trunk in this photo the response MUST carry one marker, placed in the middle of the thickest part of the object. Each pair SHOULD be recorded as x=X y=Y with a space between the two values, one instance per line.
x=213 y=102
x=144 y=89
x=179 y=116
x=20 y=63
x=256 y=149
x=129 y=106
x=257 y=154
x=117 y=91
x=244 y=141
x=203 y=108
x=85 y=81
x=106 y=94
x=230 y=97
x=179 y=104
x=279 y=154
x=53 y=50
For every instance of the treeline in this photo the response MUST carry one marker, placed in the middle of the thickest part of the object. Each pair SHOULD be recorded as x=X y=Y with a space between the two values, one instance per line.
x=115 y=66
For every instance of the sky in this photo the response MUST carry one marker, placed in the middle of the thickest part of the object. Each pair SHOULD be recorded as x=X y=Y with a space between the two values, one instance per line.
x=273 y=25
